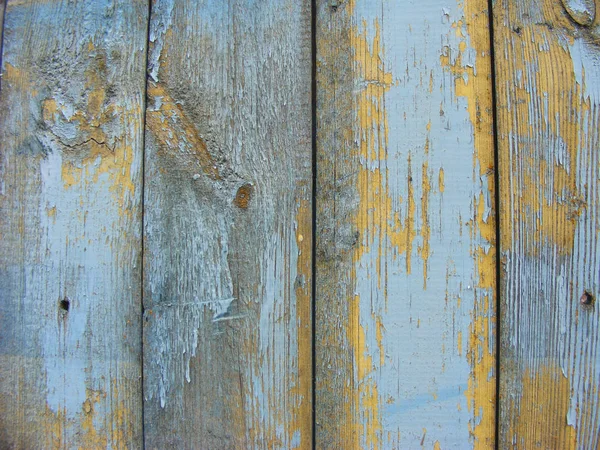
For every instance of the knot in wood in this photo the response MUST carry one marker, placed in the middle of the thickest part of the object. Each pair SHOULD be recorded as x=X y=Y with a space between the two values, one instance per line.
x=243 y=196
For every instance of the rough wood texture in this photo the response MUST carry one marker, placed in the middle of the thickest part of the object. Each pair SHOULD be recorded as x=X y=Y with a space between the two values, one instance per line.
x=227 y=259
x=405 y=226
x=548 y=81
x=71 y=114
x=2 y=9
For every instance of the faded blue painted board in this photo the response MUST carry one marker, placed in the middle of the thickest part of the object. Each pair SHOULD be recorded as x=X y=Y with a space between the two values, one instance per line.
x=71 y=114
x=405 y=299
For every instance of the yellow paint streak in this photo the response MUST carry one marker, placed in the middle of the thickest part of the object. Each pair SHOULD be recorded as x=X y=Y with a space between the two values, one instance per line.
x=431 y=82
x=379 y=328
x=539 y=417
x=374 y=219
x=365 y=361
x=301 y=393
x=425 y=250
x=369 y=428
x=481 y=388
x=473 y=84
x=485 y=259
x=55 y=428
x=121 y=430
x=437 y=446
x=441 y=184
x=410 y=233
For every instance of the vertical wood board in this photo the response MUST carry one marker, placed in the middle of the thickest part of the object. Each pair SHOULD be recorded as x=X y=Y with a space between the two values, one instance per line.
x=548 y=90
x=405 y=297
x=71 y=115
x=227 y=256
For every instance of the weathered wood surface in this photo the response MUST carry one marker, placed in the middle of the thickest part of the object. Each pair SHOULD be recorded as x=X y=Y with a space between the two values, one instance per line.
x=71 y=122
x=548 y=91
x=406 y=237
x=227 y=253
x=2 y=9
x=405 y=347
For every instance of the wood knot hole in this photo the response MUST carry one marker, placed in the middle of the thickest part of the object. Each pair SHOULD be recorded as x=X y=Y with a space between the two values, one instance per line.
x=586 y=298
x=64 y=305
x=243 y=196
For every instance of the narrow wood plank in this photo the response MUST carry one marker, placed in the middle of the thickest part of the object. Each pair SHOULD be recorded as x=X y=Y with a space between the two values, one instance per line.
x=548 y=82
x=227 y=259
x=405 y=298
x=71 y=124
x=2 y=9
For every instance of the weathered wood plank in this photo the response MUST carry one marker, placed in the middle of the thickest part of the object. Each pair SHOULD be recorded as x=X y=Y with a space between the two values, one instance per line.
x=2 y=9
x=227 y=256
x=71 y=124
x=405 y=314
x=548 y=82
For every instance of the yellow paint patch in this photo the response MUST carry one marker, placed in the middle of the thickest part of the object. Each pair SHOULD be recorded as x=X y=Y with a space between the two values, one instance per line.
x=55 y=428
x=18 y=78
x=91 y=436
x=539 y=418
x=547 y=201
x=51 y=212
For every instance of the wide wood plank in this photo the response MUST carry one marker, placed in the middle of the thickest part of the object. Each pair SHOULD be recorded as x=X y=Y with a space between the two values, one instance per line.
x=548 y=82
x=71 y=133
x=227 y=255
x=405 y=297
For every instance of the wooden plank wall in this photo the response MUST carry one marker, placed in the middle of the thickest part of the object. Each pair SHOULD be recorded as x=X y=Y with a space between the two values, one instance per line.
x=157 y=165
x=548 y=90
x=71 y=146
x=228 y=225
x=405 y=297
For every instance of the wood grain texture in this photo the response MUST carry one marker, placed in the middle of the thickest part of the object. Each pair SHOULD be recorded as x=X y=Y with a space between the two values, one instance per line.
x=2 y=9
x=548 y=82
x=71 y=115
x=405 y=304
x=227 y=256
